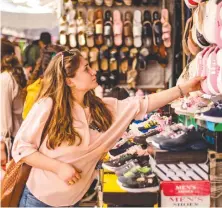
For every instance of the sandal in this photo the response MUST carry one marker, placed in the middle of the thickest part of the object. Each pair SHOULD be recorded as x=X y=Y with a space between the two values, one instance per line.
x=119 y=2
x=99 y=2
x=63 y=30
x=128 y=29
x=72 y=30
x=133 y=54
x=85 y=52
x=124 y=56
x=161 y=55
x=157 y=29
x=104 y=57
x=81 y=29
x=99 y=27
x=90 y=28
x=113 y=65
x=132 y=74
x=93 y=58
x=117 y=28
x=147 y=30
x=108 y=3
x=166 y=28
x=137 y=29
x=108 y=29
x=142 y=59
x=127 y=2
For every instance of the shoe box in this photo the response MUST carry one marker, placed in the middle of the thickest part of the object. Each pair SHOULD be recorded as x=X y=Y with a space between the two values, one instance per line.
x=180 y=166
x=185 y=193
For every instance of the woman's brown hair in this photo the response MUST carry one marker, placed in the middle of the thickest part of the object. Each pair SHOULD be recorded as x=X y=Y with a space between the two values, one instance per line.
x=54 y=85
x=10 y=63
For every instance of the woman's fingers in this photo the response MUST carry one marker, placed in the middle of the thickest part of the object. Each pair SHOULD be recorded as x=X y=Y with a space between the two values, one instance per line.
x=77 y=175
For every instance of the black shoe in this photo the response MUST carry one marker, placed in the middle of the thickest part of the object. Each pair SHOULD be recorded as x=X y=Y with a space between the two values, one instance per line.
x=181 y=138
x=144 y=184
x=113 y=164
x=121 y=149
x=214 y=114
x=140 y=160
x=142 y=139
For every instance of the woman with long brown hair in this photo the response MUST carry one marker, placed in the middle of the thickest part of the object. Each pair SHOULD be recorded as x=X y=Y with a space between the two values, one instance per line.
x=82 y=128
x=12 y=79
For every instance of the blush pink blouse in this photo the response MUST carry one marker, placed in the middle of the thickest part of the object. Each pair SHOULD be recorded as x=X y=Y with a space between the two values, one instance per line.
x=47 y=186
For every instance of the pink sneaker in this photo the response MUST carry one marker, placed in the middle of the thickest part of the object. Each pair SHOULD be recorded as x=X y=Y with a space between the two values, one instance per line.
x=206 y=70
x=213 y=72
x=199 y=62
x=219 y=25
x=219 y=78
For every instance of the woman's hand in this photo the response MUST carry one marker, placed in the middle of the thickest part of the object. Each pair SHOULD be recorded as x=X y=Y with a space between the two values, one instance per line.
x=68 y=173
x=192 y=85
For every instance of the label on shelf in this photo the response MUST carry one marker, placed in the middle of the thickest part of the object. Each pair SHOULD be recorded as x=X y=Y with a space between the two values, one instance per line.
x=185 y=194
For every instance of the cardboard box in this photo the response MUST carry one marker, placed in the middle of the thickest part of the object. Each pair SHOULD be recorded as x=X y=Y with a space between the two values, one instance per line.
x=185 y=194
x=180 y=166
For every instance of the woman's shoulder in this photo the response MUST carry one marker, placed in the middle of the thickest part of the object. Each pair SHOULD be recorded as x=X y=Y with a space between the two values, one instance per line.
x=7 y=79
x=109 y=100
x=6 y=76
x=45 y=101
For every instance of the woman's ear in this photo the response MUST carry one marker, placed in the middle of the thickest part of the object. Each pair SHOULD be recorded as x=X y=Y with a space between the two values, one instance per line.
x=70 y=82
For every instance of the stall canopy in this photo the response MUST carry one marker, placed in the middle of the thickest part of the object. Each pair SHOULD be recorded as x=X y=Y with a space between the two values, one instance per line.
x=29 y=17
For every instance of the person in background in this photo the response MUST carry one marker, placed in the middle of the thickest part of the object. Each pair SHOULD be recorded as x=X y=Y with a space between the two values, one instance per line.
x=13 y=81
x=81 y=129
x=32 y=52
x=34 y=83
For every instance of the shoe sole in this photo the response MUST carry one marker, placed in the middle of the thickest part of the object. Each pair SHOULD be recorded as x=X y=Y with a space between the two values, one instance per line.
x=139 y=190
x=111 y=156
x=113 y=169
x=213 y=119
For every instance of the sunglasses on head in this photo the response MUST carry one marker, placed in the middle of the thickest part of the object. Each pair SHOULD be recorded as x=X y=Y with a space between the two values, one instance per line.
x=71 y=53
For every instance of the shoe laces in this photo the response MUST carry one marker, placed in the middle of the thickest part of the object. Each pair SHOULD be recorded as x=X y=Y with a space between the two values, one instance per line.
x=150 y=124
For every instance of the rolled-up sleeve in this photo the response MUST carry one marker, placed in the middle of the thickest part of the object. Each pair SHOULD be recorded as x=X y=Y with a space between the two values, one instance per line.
x=138 y=105
x=28 y=137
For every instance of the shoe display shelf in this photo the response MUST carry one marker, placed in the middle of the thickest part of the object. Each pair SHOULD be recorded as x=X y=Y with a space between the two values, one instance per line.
x=156 y=74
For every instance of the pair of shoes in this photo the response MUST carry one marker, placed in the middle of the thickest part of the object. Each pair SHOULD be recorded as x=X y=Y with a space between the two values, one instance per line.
x=184 y=140
x=143 y=180
x=210 y=66
x=192 y=105
x=214 y=114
